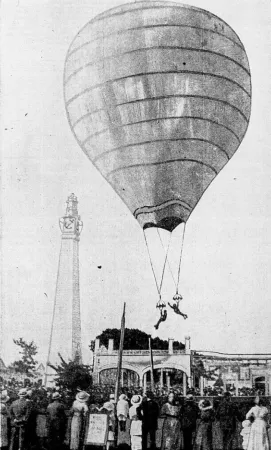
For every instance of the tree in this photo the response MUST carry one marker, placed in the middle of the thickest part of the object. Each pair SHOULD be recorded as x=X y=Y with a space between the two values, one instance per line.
x=200 y=370
x=134 y=339
x=27 y=364
x=72 y=376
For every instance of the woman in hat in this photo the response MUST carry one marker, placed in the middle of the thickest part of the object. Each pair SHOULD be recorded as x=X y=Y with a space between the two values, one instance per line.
x=203 y=439
x=258 y=438
x=171 y=433
x=110 y=409
x=3 y=420
x=122 y=411
x=79 y=410
x=136 y=423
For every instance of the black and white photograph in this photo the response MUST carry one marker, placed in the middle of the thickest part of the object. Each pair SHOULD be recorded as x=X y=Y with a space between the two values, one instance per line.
x=135 y=225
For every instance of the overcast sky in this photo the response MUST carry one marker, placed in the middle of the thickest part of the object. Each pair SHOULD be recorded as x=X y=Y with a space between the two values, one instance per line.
x=226 y=268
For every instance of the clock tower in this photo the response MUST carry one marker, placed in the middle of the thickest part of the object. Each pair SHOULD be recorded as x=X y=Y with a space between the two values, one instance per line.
x=65 y=338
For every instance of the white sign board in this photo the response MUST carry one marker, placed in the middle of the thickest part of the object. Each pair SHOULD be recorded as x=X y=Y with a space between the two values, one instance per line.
x=97 y=430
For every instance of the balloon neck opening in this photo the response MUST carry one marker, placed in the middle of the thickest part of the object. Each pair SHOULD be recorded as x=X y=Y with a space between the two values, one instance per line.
x=168 y=223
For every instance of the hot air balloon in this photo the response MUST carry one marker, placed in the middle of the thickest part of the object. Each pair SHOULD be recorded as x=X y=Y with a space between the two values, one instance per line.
x=158 y=96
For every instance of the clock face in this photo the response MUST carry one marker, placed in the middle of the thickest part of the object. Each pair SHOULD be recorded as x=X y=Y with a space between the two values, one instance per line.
x=69 y=223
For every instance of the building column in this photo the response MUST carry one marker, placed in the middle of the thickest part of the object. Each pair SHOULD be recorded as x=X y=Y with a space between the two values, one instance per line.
x=162 y=378
x=184 y=384
x=144 y=379
x=122 y=373
x=168 y=379
x=170 y=346
x=236 y=385
x=201 y=384
x=187 y=345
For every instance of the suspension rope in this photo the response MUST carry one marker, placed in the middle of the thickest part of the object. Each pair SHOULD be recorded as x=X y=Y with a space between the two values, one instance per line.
x=153 y=271
x=181 y=253
x=169 y=266
x=165 y=265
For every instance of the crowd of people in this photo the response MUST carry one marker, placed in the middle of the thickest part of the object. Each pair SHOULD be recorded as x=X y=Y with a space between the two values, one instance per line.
x=34 y=417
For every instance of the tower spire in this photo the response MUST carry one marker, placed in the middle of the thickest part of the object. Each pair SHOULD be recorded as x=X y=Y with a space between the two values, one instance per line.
x=65 y=339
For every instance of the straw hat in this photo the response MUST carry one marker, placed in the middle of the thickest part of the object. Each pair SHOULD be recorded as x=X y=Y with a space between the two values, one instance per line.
x=22 y=392
x=55 y=396
x=205 y=405
x=136 y=400
x=82 y=396
x=4 y=398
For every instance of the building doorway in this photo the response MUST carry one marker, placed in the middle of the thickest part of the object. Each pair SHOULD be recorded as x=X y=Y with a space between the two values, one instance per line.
x=259 y=384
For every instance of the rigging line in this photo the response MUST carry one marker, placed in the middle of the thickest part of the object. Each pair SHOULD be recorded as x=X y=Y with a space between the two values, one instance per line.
x=181 y=253
x=165 y=265
x=153 y=271
x=169 y=266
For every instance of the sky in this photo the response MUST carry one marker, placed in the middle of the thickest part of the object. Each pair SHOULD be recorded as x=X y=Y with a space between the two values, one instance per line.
x=225 y=275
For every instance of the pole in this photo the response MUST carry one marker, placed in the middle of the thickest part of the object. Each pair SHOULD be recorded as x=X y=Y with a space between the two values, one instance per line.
x=120 y=353
x=122 y=331
x=52 y=324
x=151 y=364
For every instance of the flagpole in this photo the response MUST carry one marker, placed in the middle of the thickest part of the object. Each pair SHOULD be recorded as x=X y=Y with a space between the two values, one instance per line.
x=120 y=354
x=151 y=364
x=122 y=331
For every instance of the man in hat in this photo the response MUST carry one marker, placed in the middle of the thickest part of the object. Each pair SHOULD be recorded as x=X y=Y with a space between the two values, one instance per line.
x=56 y=422
x=150 y=412
x=30 y=429
x=19 y=415
x=189 y=414
x=226 y=414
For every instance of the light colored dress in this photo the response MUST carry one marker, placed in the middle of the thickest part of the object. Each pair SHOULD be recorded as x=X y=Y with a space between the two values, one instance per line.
x=110 y=407
x=245 y=433
x=122 y=409
x=258 y=439
x=3 y=425
x=79 y=411
x=135 y=429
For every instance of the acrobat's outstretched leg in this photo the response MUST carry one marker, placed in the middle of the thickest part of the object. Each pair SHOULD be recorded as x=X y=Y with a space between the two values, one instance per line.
x=177 y=311
x=162 y=319
x=158 y=323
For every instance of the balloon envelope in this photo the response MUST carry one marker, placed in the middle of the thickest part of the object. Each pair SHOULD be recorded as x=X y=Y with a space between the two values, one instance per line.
x=158 y=96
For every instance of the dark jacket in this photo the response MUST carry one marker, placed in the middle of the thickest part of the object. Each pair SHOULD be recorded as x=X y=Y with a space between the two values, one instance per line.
x=150 y=413
x=226 y=414
x=189 y=414
x=56 y=417
x=19 y=412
